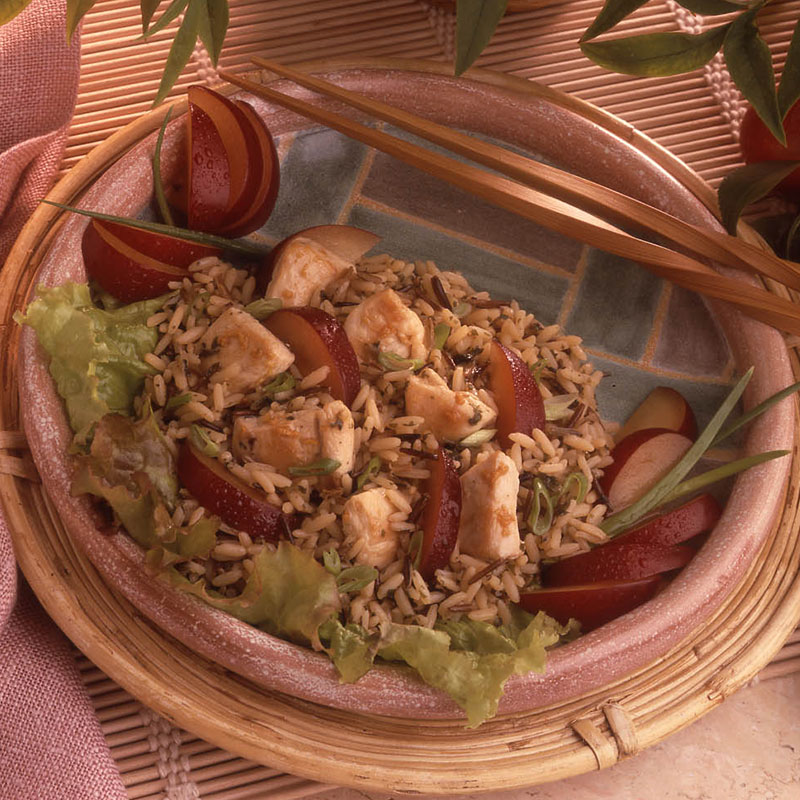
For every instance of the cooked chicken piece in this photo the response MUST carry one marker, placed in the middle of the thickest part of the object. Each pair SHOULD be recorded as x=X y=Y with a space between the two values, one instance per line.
x=366 y=517
x=297 y=438
x=242 y=353
x=303 y=267
x=488 y=527
x=382 y=323
x=449 y=415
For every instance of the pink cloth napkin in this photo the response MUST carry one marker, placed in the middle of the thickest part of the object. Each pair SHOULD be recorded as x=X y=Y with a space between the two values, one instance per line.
x=51 y=744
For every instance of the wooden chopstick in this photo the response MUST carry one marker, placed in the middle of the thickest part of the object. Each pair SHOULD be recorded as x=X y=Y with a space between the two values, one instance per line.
x=588 y=195
x=550 y=212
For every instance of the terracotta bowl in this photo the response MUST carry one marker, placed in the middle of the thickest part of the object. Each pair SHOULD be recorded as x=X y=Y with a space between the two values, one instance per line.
x=639 y=330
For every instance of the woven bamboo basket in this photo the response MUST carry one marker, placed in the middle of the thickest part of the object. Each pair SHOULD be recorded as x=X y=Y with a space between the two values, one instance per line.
x=584 y=733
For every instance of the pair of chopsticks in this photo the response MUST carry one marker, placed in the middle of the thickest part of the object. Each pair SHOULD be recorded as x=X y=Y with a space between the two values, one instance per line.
x=565 y=203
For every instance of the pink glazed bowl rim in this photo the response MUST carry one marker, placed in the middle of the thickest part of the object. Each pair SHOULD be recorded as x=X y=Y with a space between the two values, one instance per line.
x=590 y=662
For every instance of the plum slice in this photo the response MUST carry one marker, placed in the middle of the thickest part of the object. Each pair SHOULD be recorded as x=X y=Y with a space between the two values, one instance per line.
x=317 y=339
x=231 y=158
x=623 y=562
x=640 y=460
x=441 y=516
x=520 y=406
x=592 y=605
x=136 y=266
x=266 y=173
x=233 y=501
x=698 y=515
x=662 y=408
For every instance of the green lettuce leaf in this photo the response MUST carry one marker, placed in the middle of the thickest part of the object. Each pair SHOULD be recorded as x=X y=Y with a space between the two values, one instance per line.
x=288 y=594
x=134 y=507
x=350 y=647
x=474 y=678
x=122 y=447
x=477 y=637
x=130 y=467
x=95 y=355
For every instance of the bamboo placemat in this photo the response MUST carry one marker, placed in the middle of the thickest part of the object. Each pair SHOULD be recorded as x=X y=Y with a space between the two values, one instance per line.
x=695 y=116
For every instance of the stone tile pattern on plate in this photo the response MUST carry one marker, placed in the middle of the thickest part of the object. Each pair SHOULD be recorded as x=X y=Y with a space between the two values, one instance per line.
x=641 y=331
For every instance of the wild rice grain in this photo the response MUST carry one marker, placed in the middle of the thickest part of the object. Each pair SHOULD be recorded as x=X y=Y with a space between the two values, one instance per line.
x=390 y=585
x=155 y=362
x=510 y=587
x=227 y=578
x=313 y=378
x=160 y=390
x=229 y=551
x=218 y=398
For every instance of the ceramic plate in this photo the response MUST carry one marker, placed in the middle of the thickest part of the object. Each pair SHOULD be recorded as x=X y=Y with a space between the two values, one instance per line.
x=639 y=330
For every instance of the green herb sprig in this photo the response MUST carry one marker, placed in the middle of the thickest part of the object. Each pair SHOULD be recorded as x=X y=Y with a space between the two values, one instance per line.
x=284 y=382
x=324 y=466
x=391 y=361
x=541 y=517
x=354 y=579
x=673 y=485
x=158 y=184
x=203 y=442
x=372 y=468
x=238 y=246
x=263 y=307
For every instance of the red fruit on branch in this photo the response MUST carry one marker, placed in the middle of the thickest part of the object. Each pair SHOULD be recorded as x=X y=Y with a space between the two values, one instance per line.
x=758 y=144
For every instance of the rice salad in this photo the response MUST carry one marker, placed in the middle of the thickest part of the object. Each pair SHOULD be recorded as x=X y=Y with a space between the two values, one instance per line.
x=349 y=479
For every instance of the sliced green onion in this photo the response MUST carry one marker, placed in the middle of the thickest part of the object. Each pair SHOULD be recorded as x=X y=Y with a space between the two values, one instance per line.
x=332 y=562
x=284 y=382
x=263 y=307
x=372 y=468
x=755 y=412
x=478 y=438
x=392 y=361
x=441 y=333
x=238 y=246
x=415 y=548
x=158 y=185
x=719 y=473
x=203 y=442
x=354 y=579
x=582 y=483
x=558 y=406
x=178 y=400
x=537 y=368
x=462 y=309
x=656 y=495
x=541 y=516
x=325 y=466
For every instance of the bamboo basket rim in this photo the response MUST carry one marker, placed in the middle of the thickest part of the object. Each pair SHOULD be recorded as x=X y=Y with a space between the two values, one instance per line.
x=568 y=738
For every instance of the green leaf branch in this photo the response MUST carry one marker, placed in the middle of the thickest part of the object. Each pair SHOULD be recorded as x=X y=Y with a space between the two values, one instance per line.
x=206 y=20
x=747 y=55
x=665 y=53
